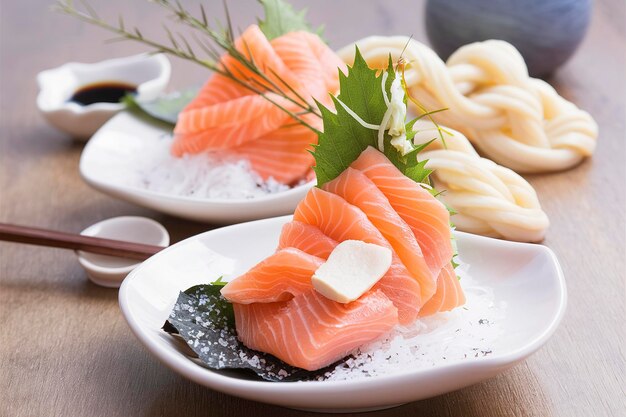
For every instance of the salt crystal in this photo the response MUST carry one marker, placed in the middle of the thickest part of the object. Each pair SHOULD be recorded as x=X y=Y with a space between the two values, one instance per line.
x=254 y=361
x=198 y=176
x=443 y=338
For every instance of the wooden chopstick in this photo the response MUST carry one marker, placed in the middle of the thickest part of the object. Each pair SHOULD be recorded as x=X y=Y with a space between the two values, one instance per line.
x=52 y=238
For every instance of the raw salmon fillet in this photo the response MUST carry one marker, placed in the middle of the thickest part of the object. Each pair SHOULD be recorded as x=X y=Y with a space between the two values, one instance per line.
x=278 y=311
x=235 y=122
x=228 y=124
x=310 y=331
x=280 y=277
x=307 y=238
x=449 y=293
x=281 y=154
x=341 y=221
x=426 y=216
x=357 y=189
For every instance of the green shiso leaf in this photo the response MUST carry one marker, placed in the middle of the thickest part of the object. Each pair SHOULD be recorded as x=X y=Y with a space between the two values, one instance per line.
x=281 y=18
x=344 y=138
x=206 y=322
x=165 y=108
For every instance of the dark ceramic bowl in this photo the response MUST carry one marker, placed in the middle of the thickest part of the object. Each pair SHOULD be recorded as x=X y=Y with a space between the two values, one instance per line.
x=546 y=32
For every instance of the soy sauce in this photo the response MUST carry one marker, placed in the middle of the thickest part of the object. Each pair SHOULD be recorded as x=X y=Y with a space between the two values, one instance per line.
x=102 y=92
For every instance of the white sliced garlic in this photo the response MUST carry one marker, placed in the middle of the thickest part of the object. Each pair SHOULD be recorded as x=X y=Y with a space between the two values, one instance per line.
x=394 y=118
x=352 y=268
x=397 y=108
x=401 y=144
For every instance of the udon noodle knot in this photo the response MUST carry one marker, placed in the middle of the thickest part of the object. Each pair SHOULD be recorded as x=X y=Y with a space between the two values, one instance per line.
x=489 y=199
x=518 y=121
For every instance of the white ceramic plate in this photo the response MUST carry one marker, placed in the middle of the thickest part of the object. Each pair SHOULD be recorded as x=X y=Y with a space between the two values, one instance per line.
x=107 y=165
x=527 y=277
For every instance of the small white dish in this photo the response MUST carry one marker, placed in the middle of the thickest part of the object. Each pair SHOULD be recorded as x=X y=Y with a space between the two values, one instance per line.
x=526 y=277
x=150 y=73
x=110 y=271
x=108 y=164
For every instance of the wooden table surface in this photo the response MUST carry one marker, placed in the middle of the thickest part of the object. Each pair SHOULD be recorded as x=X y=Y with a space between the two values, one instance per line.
x=65 y=349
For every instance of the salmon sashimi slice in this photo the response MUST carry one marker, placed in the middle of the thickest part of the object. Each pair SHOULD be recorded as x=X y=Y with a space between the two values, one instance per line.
x=449 y=293
x=228 y=124
x=279 y=277
x=228 y=118
x=281 y=154
x=305 y=55
x=307 y=238
x=340 y=221
x=332 y=64
x=310 y=331
x=206 y=123
x=217 y=89
x=252 y=44
x=357 y=189
x=426 y=216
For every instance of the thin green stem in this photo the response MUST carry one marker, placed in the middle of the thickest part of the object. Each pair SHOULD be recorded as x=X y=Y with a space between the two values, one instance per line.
x=424 y=110
x=224 y=40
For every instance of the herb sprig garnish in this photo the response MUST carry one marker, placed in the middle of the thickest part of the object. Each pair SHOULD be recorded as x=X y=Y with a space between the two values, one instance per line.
x=425 y=112
x=213 y=43
x=356 y=123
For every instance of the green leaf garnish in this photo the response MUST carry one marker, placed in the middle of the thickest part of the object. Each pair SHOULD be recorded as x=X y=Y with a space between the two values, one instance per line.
x=165 y=108
x=281 y=18
x=219 y=282
x=205 y=300
x=344 y=137
x=206 y=322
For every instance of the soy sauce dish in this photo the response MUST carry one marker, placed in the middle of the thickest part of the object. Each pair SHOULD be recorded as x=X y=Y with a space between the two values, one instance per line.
x=79 y=98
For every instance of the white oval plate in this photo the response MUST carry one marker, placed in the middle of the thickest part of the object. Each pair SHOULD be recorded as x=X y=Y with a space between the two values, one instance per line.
x=106 y=164
x=525 y=276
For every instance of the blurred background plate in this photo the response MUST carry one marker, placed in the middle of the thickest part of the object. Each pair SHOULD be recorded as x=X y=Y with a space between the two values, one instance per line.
x=108 y=163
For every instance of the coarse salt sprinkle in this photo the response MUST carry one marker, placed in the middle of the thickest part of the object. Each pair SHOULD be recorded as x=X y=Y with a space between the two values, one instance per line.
x=198 y=176
x=466 y=333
